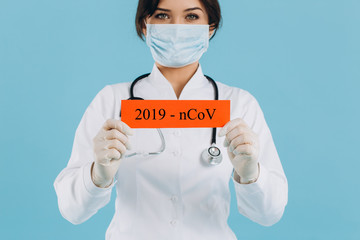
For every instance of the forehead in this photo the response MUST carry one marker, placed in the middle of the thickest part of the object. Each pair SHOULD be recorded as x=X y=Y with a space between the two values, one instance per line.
x=180 y=4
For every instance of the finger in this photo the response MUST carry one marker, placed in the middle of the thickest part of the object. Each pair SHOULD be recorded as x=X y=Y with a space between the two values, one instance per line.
x=110 y=124
x=116 y=144
x=107 y=155
x=245 y=149
x=119 y=125
x=230 y=125
x=226 y=143
x=115 y=134
x=127 y=130
x=241 y=140
x=237 y=131
x=113 y=153
x=100 y=136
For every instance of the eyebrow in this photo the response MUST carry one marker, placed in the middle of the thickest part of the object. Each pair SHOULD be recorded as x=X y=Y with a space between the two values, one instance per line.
x=186 y=10
x=163 y=9
x=191 y=9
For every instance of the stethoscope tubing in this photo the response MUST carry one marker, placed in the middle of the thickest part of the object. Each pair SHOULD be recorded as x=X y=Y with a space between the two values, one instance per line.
x=216 y=97
x=212 y=155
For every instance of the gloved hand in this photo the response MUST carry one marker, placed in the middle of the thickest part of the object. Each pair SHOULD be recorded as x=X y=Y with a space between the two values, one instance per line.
x=110 y=144
x=243 y=149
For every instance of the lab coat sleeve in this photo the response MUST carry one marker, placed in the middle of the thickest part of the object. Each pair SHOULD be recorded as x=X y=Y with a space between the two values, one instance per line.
x=263 y=201
x=78 y=197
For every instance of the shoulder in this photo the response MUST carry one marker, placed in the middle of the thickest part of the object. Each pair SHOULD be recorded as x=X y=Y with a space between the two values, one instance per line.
x=236 y=94
x=107 y=101
x=120 y=88
x=242 y=102
x=115 y=91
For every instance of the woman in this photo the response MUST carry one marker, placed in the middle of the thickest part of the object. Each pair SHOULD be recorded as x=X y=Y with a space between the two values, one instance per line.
x=173 y=195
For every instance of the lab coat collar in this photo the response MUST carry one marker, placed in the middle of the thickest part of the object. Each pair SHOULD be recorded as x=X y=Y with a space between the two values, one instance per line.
x=157 y=79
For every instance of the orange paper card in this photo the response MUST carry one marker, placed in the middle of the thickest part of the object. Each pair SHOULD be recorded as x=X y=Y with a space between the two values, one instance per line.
x=175 y=113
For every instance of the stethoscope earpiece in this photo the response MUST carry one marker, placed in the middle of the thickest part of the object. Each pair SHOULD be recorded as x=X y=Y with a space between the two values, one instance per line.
x=212 y=155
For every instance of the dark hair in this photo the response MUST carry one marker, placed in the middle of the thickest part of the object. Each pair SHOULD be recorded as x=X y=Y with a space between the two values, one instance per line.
x=147 y=8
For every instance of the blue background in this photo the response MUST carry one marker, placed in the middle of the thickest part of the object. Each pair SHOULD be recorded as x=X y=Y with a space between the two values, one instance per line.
x=300 y=59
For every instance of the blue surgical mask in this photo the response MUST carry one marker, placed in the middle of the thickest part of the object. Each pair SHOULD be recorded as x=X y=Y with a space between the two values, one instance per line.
x=177 y=45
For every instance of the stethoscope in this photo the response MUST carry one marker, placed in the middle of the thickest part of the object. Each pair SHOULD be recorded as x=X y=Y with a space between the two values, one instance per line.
x=211 y=155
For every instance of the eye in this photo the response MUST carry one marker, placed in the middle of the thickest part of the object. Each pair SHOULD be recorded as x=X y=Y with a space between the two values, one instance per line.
x=192 y=16
x=162 y=16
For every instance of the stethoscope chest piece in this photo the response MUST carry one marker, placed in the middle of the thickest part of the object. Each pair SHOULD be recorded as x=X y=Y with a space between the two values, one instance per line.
x=212 y=155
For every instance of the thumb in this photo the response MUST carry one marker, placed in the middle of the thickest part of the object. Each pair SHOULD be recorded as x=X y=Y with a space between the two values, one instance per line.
x=230 y=154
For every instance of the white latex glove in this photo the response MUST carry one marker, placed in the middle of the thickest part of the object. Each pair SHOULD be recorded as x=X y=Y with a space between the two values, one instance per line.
x=243 y=149
x=110 y=145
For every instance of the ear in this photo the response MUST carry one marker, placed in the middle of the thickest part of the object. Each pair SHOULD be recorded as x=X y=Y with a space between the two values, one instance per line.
x=211 y=30
x=144 y=30
x=144 y=26
x=211 y=33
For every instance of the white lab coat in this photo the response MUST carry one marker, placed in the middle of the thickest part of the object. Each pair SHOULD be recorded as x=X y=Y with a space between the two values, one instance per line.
x=173 y=195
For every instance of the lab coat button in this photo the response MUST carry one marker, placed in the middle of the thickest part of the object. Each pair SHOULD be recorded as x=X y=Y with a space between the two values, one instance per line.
x=177 y=132
x=173 y=222
x=176 y=153
x=174 y=198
